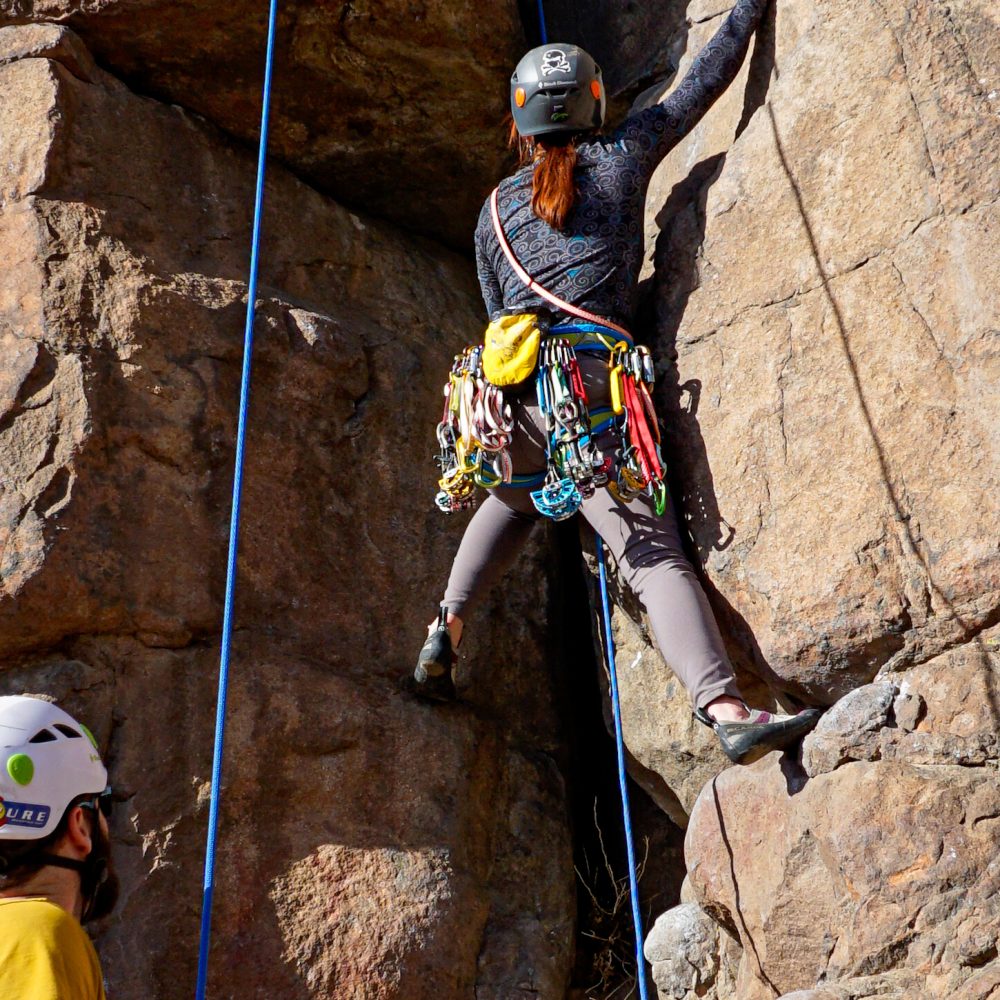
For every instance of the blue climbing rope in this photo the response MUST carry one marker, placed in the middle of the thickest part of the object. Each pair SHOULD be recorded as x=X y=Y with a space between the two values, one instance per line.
x=234 y=523
x=616 y=708
x=541 y=23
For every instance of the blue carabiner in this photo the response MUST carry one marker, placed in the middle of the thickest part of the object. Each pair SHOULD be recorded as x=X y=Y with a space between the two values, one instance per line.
x=557 y=499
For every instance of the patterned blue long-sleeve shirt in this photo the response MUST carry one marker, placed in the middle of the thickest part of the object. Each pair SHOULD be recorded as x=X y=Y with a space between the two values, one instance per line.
x=594 y=261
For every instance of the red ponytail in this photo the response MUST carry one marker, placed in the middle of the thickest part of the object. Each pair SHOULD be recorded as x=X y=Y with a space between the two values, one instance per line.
x=553 y=190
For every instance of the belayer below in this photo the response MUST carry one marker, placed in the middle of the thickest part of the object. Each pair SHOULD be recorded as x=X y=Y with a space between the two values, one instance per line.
x=553 y=413
x=55 y=853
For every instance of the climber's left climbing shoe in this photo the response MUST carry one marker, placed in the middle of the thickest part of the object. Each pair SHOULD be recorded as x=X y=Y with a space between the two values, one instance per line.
x=750 y=739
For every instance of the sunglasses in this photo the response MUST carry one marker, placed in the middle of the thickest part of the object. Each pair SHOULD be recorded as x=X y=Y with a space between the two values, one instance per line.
x=103 y=802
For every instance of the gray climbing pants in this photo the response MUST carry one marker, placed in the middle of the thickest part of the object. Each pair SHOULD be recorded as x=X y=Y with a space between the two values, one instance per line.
x=646 y=548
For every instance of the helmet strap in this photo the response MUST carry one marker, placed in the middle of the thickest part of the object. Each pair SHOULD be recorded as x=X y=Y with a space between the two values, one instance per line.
x=99 y=895
x=58 y=861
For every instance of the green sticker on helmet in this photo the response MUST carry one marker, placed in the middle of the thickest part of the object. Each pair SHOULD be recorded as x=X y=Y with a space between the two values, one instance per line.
x=21 y=768
x=88 y=734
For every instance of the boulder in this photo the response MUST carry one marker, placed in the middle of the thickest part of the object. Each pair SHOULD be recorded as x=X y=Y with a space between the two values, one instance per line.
x=393 y=107
x=370 y=845
x=881 y=861
x=851 y=730
x=821 y=892
x=683 y=949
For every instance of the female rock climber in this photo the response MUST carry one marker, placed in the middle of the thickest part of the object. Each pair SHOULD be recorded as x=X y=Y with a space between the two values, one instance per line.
x=573 y=217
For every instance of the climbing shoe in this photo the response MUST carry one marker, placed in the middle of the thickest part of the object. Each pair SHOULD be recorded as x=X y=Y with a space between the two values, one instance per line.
x=432 y=678
x=750 y=739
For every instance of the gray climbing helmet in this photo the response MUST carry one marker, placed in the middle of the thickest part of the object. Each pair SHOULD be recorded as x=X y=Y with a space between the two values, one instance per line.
x=557 y=89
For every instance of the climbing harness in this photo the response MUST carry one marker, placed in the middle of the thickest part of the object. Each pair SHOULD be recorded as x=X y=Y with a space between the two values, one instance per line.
x=234 y=522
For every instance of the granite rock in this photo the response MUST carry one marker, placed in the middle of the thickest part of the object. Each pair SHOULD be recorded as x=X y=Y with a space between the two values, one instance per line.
x=395 y=108
x=370 y=845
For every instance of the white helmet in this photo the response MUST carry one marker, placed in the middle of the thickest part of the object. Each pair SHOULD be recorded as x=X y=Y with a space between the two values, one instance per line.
x=47 y=759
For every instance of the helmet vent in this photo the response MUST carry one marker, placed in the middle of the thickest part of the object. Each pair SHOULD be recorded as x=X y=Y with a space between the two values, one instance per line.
x=43 y=736
x=67 y=731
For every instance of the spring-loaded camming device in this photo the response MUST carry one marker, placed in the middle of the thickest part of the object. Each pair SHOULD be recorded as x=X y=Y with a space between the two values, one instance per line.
x=575 y=466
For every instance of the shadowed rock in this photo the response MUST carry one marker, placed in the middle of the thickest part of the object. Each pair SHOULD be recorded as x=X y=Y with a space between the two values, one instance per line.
x=369 y=844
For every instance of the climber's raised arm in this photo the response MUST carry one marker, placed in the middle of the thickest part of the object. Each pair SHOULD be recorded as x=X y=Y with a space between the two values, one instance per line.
x=652 y=133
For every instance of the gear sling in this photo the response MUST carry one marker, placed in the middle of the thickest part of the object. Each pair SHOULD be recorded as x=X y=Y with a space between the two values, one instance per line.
x=476 y=426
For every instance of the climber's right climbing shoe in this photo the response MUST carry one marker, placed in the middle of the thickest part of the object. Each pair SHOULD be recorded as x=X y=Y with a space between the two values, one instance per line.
x=432 y=677
x=750 y=739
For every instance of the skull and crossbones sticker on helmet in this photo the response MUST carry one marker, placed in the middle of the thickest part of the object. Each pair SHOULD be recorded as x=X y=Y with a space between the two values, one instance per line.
x=555 y=61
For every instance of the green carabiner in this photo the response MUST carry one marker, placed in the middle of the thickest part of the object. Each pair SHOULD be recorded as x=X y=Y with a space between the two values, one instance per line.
x=661 y=498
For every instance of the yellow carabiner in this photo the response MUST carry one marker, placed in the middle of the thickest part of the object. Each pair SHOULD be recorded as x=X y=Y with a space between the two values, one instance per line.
x=617 y=403
x=488 y=479
x=457 y=484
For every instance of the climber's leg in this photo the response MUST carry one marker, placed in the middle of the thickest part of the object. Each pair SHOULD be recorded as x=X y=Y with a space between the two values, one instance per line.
x=491 y=543
x=648 y=552
x=647 y=549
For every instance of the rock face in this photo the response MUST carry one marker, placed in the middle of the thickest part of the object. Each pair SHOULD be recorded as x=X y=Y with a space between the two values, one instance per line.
x=876 y=856
x=831 y=295
x=370 y=846
x=390 y=106
x=824 y=295
x=822 y=299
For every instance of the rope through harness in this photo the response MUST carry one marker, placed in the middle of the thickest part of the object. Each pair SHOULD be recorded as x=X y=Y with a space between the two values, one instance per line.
x=234 y=523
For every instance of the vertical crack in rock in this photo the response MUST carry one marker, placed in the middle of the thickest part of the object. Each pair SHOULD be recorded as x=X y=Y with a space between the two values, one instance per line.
x=938 y=348
x=901 y=56
x=746 y=936
x=780 y=382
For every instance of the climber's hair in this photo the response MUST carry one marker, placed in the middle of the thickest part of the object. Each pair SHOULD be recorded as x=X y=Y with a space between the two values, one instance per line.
x=553 y=190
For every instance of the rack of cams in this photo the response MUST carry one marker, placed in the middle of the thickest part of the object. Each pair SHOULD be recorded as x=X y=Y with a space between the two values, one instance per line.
x=476 y=426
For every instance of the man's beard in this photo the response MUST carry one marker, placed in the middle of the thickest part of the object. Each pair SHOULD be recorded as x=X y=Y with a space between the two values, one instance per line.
x=99 y=883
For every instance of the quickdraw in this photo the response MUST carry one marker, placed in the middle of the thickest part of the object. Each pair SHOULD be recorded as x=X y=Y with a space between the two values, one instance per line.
x=473 y=435
x=640 y=468
x=575 y=467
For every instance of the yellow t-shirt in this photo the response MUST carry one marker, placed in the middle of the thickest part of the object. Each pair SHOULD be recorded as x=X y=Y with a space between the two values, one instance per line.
x=45 y=954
